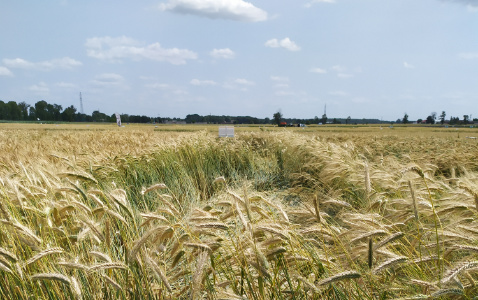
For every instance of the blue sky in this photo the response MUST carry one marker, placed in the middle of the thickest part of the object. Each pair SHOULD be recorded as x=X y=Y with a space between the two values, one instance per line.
x=361 y=58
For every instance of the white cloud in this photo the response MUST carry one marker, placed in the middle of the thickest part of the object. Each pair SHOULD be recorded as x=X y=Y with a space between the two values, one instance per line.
x=40 y=88
x=225 y=53
x=237 y=10
x=239 y=84
x=284 y=43
x=472 y=8
x=469 y=55
x=160 y=86
x=469 y=3
x=47 y=65
x=180 y=92
x=339 y=68
x=243 y=81
x=318 y=70
x=114 y=49
x=310 y=3
x=344 y=72
x=108 y=80
x=202 y=82
x=279 y=78
x=5 y=71
x=408 y=66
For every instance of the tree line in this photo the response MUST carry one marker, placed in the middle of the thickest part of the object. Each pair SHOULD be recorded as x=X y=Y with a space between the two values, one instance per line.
x=432 y=119
x=44 y=111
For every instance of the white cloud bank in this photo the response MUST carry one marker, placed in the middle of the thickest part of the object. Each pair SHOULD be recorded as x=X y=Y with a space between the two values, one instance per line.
x=408 y=65
x=310 y=3
x=285 y=43
x=469 y=55
x=40 y=88
x=472 y=3
x=243 y=81
x=108 y=80
x=114 y=49
x=237 y=10
x=280 y=78
x=47 y=65
x=318 y=70
x=241 y=84
x=198 y=82
x=225 y=53
x=5 y=71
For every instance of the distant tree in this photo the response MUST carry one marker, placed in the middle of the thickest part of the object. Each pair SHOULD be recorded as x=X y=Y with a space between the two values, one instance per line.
x=419 y=121
x=194 y=118
x=454 y=120
x=430 y=120
x=41 y=110
x=466 y=119
x=69 y=114
x=442 y=117
x=405 y=119
x=3 y=110
x=24 y=110
x=53 y=112
x=277 y=117
x=324 y=119
x=98 y=116
x=347 y=121
x=14 y=112
x=398 y=121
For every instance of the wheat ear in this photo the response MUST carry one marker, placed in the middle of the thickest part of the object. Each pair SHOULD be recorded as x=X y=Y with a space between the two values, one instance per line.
x=339 y=277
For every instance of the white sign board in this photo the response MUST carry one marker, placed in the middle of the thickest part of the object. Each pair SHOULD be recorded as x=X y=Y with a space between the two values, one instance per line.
x=226 y=131
x=118 y=119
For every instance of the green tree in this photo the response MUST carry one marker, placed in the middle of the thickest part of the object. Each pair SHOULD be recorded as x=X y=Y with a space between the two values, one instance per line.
x=277 y=117
x=324 y=119
x=24 y=110
x=442 y=117
x=69 y=114
x=98 y=116
x=405 y=119
x=41 y=110
x=466 y=118
x=430 y=120
x=14 y=112
x=3 y=110
x=347 y=121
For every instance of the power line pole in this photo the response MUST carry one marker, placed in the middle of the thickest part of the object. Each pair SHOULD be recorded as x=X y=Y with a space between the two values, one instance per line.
x=81 y=105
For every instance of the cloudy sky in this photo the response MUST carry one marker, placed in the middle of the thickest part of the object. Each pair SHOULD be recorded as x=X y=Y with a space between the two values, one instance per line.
x=170 y=58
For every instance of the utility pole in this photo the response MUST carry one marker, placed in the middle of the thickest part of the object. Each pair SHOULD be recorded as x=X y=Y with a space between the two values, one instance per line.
x=81 y=105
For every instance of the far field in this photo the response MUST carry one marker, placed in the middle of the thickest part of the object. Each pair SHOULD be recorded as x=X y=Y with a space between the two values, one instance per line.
x=93 y=211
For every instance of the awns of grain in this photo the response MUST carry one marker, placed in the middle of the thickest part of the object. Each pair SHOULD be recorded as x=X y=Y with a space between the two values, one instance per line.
x=256 y=227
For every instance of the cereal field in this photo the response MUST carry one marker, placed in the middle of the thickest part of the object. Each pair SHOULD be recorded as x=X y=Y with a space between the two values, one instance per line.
x=174 y=212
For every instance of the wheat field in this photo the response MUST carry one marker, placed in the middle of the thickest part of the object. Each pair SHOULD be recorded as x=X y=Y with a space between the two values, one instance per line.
x=174 y=212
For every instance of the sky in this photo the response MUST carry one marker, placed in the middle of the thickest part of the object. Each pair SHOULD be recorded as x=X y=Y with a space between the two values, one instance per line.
x=170 y=58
